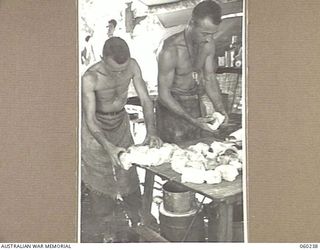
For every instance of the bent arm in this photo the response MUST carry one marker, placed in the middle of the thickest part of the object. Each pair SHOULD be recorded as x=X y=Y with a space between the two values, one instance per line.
x=146 y=102
x=212 y=85
x=166 y=72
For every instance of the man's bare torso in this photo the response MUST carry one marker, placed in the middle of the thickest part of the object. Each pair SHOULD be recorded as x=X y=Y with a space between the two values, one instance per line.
x=187 y=61
x=111 y=88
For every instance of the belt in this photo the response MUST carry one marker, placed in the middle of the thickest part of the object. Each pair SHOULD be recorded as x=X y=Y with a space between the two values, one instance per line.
x=185 y=97
x=112 y=113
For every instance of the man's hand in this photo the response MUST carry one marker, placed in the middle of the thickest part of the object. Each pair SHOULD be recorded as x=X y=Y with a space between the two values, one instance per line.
x=206 y=127
x=202 y=123
x=153 y=141
x=226 y=118
x=114 y=153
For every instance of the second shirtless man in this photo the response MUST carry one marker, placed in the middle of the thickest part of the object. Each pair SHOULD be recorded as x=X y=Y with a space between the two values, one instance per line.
x=186 y=71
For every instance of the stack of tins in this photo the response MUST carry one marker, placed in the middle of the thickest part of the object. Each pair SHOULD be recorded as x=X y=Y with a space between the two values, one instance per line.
x=181 y=219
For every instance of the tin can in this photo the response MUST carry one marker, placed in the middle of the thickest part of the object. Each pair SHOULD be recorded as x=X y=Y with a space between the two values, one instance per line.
x=177 y=199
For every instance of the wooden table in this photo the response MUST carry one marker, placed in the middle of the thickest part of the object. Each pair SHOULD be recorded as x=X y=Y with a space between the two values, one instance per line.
x=224 y=196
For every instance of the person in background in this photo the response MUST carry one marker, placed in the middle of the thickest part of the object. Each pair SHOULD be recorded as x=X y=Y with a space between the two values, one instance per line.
x=106 y=132
x=186 y=71
x=87 y=54
x=112 y=24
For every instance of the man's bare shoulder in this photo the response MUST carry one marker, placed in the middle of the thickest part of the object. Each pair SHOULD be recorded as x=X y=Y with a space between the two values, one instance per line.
x=90 y=77
x=133 y=65
x=172 y=43
x=174 y=40
x=94 y=69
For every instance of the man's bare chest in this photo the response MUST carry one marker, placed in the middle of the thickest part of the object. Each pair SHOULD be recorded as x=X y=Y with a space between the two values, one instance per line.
x=113 y=82
x=187 y=64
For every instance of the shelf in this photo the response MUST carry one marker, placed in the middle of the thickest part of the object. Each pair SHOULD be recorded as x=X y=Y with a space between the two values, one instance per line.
x=234 y=70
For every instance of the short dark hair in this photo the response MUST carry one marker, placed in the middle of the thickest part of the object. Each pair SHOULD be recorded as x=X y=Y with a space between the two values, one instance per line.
x=113 y=22
x=207 y=9
x=117 y=49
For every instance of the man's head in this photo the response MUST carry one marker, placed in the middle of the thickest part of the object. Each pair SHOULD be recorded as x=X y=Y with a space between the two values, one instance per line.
x=87 y=38
x=111 y=27
x=116 y=53
x=206 y=17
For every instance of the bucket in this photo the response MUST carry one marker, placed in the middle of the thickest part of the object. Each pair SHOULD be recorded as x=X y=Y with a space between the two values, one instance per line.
x=178 y=199
x=174 y=227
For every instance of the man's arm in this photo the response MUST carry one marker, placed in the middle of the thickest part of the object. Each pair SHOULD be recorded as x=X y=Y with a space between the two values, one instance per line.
x=89 y=108
x=212 y=86
x=166 y=72
x=147 y=105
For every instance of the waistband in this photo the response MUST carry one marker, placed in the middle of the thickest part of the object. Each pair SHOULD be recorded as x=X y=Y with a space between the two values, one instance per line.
x=112 y=113
x=185 y=97
x=185 y=92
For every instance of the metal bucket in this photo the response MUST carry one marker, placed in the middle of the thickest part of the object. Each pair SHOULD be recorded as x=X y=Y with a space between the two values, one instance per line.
x=174 y=227
x=177 y=199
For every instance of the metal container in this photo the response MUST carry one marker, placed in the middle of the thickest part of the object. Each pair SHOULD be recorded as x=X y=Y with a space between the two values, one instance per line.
x=176 y=227
x=178 y=199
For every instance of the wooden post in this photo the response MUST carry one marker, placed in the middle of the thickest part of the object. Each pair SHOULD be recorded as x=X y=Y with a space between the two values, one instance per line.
x=147 y=198
x=221 y=221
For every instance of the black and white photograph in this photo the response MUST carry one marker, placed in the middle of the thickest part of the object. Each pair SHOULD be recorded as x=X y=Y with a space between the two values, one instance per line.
x=162 y=121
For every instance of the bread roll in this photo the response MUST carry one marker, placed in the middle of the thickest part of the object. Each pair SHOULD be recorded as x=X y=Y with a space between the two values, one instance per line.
x=213 y=177
x=218 y=119
x=178 y=163
x=200 y=148
x=228 y=172
x=193 y=175
x=126 y=161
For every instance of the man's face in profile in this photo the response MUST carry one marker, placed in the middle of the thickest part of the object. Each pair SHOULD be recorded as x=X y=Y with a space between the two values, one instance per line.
x=111 y=29
x=203 y=31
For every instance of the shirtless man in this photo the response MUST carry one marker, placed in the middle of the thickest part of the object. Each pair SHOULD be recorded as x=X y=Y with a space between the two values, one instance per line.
x=186 y=71
x=106 y=131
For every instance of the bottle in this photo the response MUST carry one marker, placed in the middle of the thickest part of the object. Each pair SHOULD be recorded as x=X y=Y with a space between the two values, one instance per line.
x=237 y=63
x=238 y=59
x=233 y=50
x=227 y=58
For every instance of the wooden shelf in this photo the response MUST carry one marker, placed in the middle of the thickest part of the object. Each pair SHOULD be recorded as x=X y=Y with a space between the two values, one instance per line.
x=234 y=70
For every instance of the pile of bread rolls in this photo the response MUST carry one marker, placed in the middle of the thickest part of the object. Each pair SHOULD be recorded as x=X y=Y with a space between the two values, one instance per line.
x=199 y=163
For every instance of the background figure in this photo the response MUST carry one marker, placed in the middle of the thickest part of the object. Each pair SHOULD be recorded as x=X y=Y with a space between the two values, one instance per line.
x=87 y=54
x=112 y=24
